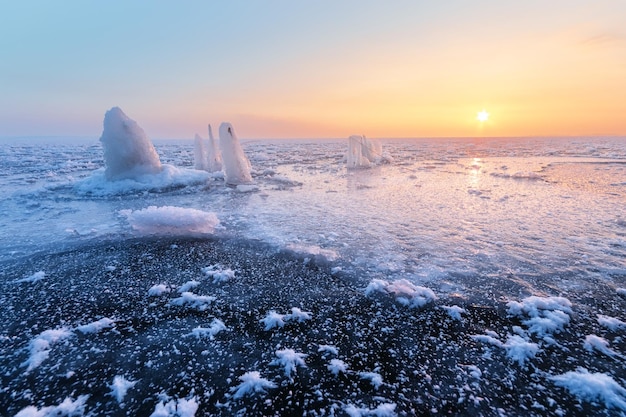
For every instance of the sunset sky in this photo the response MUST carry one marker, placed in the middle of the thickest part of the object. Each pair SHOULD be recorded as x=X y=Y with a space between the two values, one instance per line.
x=314 y=69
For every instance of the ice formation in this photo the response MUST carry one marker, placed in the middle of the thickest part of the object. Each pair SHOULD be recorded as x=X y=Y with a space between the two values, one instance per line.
x=289 y=359
x=200 y=156
x=40 y=346
x=120 y=387
x=169 y=220
x=337 y=365
x=405 y=292
x=363 y=152
x=593 y=387
x=96 y=326
x=128 y=152
x=214 y=156
x=68 y=407
x=235 y=163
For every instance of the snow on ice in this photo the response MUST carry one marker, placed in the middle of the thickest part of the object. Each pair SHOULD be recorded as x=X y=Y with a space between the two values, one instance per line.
x=337 y=365
x=405 y=292
x=611 y=323
x=168 y=220
x=40 y=346
x=158 y=290
x=210 y=332
x=176 y=408
x=375 y=378
x=214 y=156
x=96 y=326
x=547 y=315
x=289 y=359
x=252 y=383
x=235 y=162
x=199 y=302
x=382 y=410
x=37 y=276
x=119 y=387
x=274 y=319
x=593 y=387
x=219 y=273
x=68 y=407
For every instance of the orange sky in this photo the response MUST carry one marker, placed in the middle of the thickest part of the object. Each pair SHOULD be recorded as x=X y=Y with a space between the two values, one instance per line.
x=320 y=69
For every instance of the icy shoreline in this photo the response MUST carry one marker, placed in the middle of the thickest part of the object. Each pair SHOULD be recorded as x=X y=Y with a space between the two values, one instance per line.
x=91 y=323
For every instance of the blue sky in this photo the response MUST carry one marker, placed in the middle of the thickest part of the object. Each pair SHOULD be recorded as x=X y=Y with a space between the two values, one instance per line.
x=314 y=69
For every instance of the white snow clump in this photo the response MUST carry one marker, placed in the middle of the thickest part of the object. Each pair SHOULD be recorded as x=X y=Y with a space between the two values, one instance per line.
x=200 y=157
x=593 y=387
x=218 y=273
x=41 y=345
x=593 y=342
x=406 y=293
x=128 y=152
x=176 y=408
x=96 y=326
x=189 y=285
x=252 y=383
x=235 y=163
x=274 y=319
x=68 y=407
x=455 y=312
x=168 y=220
x=120 y=387
x=199 y=302
x=289 y=359
x=337 y=365
x=547 y=315
x=37 y=276
x=158 y=290
x=328 y=348
x=382 y=410
x=375 y=378
x=517 y=348
x=210 y=332
x=611 y=323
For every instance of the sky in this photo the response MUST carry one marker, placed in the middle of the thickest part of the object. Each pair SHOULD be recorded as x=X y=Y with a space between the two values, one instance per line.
x=315 y=69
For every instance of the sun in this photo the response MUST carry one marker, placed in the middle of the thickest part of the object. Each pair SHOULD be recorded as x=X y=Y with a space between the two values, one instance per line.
x=482 y=116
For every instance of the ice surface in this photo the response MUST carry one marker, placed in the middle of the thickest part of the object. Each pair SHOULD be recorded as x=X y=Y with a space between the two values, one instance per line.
x=356 y=153
x=128 y=153
x=170 y=220
x=235 y=162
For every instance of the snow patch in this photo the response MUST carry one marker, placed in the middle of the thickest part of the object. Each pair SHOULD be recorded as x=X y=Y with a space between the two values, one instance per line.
x=273 y=319
x=547 y=315
x=375 y=378
x=68 y=407
x=289 y=359
x=252 y=383
x=158 y=290
x=219 y=273
x=593 y=387
x=382 y=410
x=41 y=345
x=337 y=365
x=37 y=276
x=405 y=292
x=120 y=387
x=176 y=408
x=611 y=323
x=96 y=326
x=210 y=332
x=199 y=302
x=455 y=312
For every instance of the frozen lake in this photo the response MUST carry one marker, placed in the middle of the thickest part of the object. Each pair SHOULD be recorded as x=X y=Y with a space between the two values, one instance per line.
x=526 y=235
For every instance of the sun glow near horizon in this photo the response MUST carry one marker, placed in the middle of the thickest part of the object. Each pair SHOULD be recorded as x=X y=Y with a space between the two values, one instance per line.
x=482 y=116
